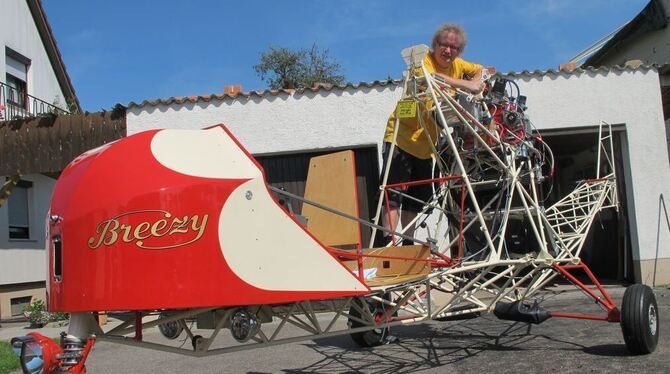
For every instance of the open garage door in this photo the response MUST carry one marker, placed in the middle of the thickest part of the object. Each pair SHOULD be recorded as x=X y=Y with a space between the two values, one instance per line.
x=289 y=172
x=607 y=248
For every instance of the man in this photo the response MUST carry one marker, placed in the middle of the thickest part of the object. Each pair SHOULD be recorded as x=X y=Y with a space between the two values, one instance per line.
x=412 y=156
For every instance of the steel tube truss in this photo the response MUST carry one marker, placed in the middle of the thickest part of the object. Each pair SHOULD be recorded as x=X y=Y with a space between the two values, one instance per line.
x=487 y=189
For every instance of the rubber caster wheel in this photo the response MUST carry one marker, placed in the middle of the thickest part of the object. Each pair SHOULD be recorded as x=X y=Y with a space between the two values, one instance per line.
x=170 y=330
x=639 y=319
x=370 y=338
x=197 y=341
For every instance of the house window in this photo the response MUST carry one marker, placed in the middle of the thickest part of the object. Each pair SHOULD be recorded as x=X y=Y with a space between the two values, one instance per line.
x=16 y=91
x=18 y=206
x=18 y=304
x=16 y=78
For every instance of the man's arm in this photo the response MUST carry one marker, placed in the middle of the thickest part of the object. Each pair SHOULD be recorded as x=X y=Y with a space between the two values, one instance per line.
x=474 y=86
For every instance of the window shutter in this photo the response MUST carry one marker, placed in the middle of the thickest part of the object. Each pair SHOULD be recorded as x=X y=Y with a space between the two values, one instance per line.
x=17 y=69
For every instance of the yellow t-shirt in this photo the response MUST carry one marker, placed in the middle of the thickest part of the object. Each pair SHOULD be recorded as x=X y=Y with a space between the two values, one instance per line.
x=411 y=136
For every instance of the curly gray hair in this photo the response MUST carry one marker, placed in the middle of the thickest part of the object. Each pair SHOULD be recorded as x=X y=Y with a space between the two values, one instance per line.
x=450 y=27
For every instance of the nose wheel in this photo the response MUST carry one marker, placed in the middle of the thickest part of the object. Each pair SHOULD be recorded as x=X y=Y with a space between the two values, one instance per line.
x=374 y=337
x=171 y=330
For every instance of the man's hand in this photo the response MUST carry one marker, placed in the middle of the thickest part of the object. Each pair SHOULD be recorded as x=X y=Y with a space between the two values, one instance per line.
x=474 y=86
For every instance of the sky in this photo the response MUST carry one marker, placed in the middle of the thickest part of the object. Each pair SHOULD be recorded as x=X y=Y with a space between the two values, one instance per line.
x=126 y=51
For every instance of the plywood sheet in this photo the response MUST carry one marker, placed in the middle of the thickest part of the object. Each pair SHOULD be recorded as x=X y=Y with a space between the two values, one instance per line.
x=393 y=270
x=331 y=181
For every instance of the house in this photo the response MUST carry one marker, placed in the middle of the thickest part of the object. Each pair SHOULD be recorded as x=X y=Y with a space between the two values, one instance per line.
x=33 y=81
x=642 y=40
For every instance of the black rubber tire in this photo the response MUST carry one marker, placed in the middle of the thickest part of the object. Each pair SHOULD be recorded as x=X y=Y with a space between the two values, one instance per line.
x=639 y=319
x=369 y=338
x=171 y=330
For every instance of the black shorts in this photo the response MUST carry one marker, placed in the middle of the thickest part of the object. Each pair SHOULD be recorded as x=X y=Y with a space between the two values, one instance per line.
x=407 y=168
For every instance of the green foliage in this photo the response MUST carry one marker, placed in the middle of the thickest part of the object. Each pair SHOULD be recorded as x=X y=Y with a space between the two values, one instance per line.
x=39 y=316
x=8 y=360
x=281 y=67
x=37 y=313
x=59 y=316
x=72 y=106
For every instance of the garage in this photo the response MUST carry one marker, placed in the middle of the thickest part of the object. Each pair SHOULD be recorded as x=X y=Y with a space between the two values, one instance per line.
x=288 y=171
x=607 y=248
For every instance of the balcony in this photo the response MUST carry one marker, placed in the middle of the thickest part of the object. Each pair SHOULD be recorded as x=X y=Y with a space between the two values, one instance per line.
x=16 y=104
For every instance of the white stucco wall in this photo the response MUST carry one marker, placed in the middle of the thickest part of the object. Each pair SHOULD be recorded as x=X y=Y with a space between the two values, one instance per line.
x=18 y=32
x=283 y=123
x=23 y=260
x=627 y=97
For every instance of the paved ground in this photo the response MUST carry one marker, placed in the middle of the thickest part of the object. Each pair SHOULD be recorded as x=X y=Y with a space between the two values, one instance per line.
x=477 y=345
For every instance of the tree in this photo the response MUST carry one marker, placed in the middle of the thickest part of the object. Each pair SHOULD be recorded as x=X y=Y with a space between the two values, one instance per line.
x=281 y=67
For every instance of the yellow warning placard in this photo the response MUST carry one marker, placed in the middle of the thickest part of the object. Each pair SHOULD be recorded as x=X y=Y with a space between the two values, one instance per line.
x=406 y=109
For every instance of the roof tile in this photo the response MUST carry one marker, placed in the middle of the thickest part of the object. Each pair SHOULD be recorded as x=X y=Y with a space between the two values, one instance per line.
x=378 y=83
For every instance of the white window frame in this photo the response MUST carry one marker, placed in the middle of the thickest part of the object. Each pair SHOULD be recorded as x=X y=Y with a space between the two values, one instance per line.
x=16 y=77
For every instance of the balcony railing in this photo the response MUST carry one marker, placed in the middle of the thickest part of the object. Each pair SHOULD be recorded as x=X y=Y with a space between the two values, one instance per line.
x=15 y=104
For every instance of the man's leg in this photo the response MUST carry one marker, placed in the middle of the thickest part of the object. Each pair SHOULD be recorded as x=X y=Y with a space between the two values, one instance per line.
x=406 y=217
x=407 y=224
x=421 y=170
x=393 y=214
x=399 y=171
x=390 y=218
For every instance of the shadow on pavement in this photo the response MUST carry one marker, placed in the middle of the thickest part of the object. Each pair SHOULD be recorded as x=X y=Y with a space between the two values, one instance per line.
x=467 y=344
x=608 y=350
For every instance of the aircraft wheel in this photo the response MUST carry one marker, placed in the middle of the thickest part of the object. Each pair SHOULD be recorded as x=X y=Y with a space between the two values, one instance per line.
x=639 y=319
x=197 y=342
x=370 y=338
x=170 y=330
